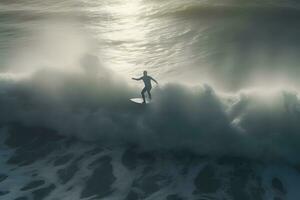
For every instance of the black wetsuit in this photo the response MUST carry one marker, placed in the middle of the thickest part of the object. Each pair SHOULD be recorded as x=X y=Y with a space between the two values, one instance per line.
x=148 y=86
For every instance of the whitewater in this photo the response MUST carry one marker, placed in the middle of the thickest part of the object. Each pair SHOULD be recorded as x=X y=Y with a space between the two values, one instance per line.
x=223 y=124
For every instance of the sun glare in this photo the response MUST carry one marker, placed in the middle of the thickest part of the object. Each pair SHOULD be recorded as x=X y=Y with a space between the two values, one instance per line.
x=127 y=30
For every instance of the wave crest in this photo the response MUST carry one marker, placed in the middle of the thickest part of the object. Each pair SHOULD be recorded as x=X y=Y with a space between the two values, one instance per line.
x=198 y=119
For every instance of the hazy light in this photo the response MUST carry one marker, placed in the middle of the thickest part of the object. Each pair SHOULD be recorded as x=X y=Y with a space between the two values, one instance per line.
x=126 y=29
x=56 y=45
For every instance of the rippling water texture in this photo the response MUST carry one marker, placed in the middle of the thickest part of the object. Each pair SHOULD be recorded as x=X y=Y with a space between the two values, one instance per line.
x=69 y=131
x=228 y=44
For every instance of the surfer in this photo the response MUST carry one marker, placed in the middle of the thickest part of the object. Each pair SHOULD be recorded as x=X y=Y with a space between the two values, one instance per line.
x=147 y=81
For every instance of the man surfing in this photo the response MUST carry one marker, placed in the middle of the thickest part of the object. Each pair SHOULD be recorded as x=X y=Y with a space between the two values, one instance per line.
x=148 y=86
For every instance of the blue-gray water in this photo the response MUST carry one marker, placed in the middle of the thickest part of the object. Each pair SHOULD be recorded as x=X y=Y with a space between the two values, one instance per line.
x=223 y=123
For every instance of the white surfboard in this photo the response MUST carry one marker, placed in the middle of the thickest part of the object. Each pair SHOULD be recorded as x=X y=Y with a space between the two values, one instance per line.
x=139 y=100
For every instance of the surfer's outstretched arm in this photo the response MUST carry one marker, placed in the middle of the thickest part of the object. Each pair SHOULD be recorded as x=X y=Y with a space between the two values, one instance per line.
x=137 y=79
x=154 y=80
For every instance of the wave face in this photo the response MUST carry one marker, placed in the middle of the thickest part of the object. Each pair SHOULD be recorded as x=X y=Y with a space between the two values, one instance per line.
x=253 y=124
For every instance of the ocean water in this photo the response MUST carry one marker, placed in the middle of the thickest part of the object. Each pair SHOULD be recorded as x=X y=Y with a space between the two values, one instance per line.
x=223 y=123
x=227 y=44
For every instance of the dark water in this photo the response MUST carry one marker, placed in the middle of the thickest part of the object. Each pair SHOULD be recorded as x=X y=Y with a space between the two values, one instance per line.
x=231 y=46
x=68 y=128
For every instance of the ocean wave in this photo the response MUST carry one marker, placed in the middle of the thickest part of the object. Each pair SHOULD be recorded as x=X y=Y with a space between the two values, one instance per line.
x=217 y=10
x=253 y=123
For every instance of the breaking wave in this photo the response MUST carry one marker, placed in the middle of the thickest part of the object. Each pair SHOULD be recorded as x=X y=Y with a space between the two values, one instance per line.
x=255 y=123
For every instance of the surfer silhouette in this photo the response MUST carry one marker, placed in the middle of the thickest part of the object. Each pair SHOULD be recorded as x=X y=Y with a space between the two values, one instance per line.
x=148 y=86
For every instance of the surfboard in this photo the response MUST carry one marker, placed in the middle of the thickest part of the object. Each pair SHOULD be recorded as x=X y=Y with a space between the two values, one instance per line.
x=139 y=100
